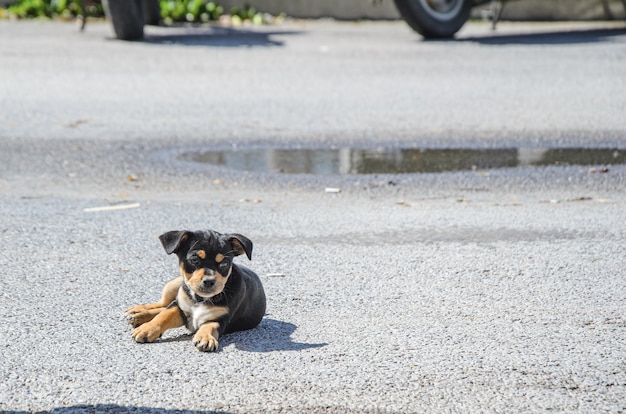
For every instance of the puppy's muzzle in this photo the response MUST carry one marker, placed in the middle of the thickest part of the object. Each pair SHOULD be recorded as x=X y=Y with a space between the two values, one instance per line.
x=207 y=283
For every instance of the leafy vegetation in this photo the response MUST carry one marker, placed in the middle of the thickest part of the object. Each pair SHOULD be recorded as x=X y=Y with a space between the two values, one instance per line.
x=190 y=10
x=194 y=11
x=24 y=9
x=206 y=10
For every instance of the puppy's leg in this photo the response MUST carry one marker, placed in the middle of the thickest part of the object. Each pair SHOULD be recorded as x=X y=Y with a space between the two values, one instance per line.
x=206 y=339
x=140 y=314
x=168 y=318
x=139 y=317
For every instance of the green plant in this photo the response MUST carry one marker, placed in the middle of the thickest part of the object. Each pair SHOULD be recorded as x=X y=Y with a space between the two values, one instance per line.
x=206 y=10
x=195 y=11
x=190 y=10
x=23 y=9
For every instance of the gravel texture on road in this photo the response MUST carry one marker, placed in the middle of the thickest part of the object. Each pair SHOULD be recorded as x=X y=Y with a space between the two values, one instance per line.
x=478 y=291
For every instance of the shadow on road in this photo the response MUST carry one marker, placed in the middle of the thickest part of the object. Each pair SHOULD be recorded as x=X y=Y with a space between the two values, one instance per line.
x=215 y=37
x=114 y=408
x=271 y=335
x=119 y=409
x=552 y=38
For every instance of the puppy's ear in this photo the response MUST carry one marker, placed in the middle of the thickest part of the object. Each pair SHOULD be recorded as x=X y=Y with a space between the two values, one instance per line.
x=241 y=244
x=172 y=240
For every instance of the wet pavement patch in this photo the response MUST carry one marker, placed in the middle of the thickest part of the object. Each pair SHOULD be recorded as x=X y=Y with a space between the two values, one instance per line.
x=350 y=161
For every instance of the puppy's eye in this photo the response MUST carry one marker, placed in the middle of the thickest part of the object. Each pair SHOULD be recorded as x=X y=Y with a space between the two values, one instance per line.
x=194 y=260
x=224 y=265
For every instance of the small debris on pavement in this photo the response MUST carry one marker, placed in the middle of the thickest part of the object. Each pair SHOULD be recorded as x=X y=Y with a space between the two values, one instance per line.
x=112 y=208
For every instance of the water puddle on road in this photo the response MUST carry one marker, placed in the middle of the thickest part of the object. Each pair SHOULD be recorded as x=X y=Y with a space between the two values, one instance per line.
x=399 y=161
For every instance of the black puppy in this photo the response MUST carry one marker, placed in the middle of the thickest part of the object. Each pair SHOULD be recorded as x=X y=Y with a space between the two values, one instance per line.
x=211 y=297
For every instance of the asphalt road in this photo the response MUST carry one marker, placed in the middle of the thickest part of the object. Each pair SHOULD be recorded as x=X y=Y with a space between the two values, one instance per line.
x=474 y=291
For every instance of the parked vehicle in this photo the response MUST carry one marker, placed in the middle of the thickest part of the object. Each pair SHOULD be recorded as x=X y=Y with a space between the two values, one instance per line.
x=129 y=16
x=430 y=18
x=436 y=18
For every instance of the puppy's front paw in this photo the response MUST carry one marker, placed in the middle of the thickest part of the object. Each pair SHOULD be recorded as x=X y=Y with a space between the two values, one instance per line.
x=205 y=342
x=133 y=315
x=135 y=309
x=147 y=333
x=138 y=315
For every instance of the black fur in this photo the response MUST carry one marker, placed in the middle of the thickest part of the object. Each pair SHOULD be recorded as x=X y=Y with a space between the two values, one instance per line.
x=243 y=293
x=212 y=296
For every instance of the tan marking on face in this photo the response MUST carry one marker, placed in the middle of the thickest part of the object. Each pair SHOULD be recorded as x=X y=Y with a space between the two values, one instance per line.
x=194 y=281
x=196 y=277
x=219 y=257
x=201 y=254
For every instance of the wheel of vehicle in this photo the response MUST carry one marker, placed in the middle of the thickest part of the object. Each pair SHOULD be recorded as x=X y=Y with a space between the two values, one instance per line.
x=151 y=12
x=435 y=18
x=126 y=17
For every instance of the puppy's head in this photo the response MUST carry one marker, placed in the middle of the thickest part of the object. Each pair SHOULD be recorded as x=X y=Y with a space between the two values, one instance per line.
x=205 y=257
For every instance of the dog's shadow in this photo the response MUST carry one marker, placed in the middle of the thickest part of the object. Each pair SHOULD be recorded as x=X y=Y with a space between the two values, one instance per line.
x=271 y=335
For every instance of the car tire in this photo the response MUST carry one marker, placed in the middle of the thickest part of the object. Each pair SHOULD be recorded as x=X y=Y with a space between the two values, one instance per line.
x=126 y=17
x=151 y=10
x=435 y=18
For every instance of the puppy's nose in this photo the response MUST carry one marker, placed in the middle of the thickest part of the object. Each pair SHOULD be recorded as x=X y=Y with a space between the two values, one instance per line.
x=208 y=283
